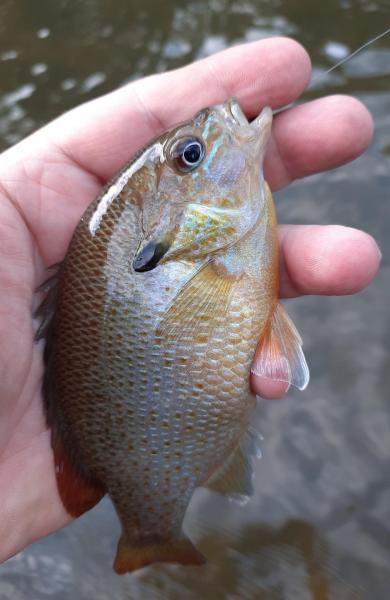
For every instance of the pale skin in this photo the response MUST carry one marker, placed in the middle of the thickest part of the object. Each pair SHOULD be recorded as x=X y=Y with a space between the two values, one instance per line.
x=48 y=179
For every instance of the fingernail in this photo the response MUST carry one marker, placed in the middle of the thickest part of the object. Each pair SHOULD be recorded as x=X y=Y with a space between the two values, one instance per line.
x=379 y=250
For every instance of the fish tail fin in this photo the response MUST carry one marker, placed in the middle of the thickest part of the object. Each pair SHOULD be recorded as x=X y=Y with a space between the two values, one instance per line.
x=132 y=557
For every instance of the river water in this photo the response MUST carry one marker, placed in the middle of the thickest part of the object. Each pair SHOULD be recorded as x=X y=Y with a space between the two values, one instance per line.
x=318 y=525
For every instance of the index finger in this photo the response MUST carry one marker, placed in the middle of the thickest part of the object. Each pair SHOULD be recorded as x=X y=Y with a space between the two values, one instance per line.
x=103 y=134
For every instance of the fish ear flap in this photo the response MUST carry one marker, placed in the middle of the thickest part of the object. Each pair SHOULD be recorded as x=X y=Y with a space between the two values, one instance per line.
x=279 y=355
x=235 y=478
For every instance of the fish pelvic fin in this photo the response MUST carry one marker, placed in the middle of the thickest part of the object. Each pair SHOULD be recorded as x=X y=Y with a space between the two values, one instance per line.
x=77 y=494
x=279 y=355
x=130 y=557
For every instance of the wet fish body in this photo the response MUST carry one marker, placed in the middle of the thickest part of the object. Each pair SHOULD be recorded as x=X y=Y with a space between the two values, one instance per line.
x=170 y=280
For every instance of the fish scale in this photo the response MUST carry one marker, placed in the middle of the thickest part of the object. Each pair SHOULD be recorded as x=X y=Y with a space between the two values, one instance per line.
x=219 y=384
x=147 y=380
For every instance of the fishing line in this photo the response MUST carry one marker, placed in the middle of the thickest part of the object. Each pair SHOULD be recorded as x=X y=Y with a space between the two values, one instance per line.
x=338 y=64
x=343 y=60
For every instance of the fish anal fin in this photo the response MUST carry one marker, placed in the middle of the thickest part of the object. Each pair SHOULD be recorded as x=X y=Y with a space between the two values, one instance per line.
x=279 y=355
x=129 y=557
x=77 y=494
x=198 y=306
x=235 y=477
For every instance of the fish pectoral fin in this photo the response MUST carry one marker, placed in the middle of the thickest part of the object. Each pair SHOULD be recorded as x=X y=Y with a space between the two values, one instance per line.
x=235 y=478
x=279 y=355
x=130 y=557
x=195 y=309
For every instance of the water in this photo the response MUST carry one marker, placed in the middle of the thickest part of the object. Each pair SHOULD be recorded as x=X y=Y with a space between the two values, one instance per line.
x=318 y=525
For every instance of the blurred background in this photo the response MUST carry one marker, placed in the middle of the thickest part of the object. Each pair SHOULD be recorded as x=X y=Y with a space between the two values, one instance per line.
x=319 y=523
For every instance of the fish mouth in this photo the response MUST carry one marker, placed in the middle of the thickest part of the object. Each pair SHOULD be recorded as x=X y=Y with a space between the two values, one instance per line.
x=149 y=256
x=236 y=112
x=263 y=121
x=260 y=125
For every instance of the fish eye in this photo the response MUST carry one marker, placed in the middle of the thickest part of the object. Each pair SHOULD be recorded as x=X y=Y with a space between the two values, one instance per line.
x=187 y=154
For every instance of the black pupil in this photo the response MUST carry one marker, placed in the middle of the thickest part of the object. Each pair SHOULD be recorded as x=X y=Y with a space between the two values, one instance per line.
x=192 y=153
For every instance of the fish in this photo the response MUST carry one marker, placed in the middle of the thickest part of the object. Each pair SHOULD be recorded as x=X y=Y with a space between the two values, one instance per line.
x=165 y=302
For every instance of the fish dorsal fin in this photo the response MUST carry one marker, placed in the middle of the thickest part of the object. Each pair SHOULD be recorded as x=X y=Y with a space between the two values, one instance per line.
x=279 y=354
x=45 y=311
x=235 y=478
x=76 y=492
x=198 y=306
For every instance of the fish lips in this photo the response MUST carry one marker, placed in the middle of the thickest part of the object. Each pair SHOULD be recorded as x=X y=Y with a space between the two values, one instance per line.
x=149 y=256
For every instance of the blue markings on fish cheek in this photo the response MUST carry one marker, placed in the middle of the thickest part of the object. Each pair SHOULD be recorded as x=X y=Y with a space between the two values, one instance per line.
x=206 y=130
x=211 y=156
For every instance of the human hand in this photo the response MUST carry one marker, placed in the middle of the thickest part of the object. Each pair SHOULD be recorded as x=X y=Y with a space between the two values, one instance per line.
x=47 y=181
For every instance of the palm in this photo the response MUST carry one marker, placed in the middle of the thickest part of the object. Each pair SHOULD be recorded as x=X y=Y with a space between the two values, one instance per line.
x=49 y=179
x=27 y=247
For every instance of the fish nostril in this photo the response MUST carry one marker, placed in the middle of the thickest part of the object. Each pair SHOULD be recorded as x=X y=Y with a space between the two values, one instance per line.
x=149 y=257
